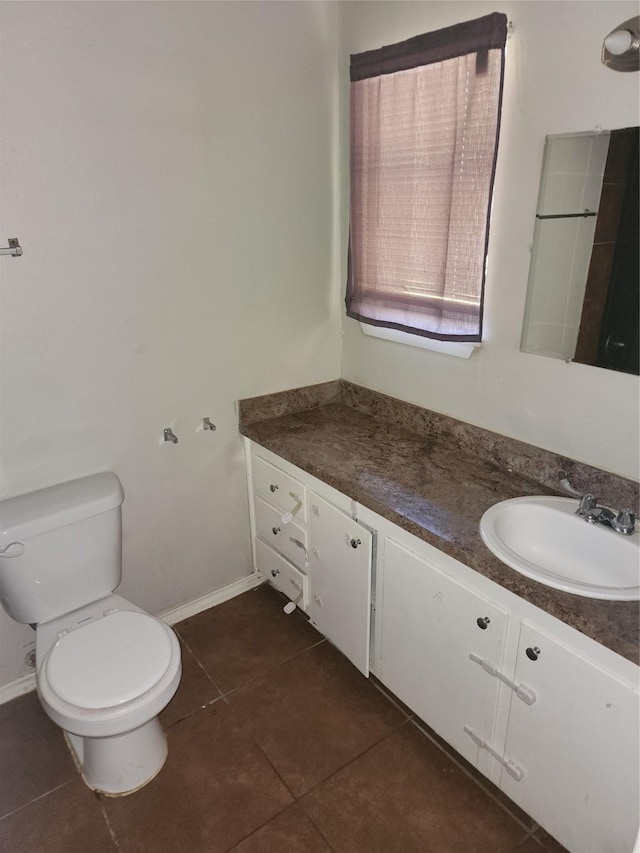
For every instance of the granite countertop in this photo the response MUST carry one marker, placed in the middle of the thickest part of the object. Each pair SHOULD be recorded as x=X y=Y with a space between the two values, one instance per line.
x=424 y=484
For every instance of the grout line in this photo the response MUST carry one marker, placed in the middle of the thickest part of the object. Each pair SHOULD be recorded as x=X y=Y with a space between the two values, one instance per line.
x=529 y=835
x=257 y=829
x=272 y=670
x=167 y=726
x=339 y=770
x=38 y=798
x=108 y=822
x=407 y=712
x=200 y=665
x=241 y=722
x=262 y=674
x=317 y=828
x=351 y=760
x=297 y=798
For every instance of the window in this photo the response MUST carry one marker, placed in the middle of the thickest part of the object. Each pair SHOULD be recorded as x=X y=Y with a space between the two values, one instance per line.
x=425 y=118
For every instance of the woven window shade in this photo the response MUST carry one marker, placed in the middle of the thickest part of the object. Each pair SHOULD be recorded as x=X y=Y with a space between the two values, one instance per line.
x=425 y=118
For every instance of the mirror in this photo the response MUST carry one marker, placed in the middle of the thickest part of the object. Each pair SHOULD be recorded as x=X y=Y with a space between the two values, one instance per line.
x=583 y=291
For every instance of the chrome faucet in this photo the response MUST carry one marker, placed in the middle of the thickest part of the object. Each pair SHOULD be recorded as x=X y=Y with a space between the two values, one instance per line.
x=623 y=521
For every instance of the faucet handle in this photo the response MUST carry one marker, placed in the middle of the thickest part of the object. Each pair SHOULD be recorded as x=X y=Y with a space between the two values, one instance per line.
x=587 y=502
x=625 y=521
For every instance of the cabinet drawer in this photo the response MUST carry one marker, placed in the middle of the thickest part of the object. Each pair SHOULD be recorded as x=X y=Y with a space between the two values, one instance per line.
x=289 y=539
x=282 y=574
x=279 y=489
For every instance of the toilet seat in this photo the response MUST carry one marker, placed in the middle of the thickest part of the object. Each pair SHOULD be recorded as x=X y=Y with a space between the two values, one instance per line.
x=109 y=661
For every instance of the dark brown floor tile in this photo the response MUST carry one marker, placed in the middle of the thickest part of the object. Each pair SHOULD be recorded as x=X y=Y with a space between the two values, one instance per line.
x=196 y=690
x=67 y=820
x=405 y=796
x=246 y=637
x=313 y=715
x=34 y=757
x=289 y=832
x=215 y=789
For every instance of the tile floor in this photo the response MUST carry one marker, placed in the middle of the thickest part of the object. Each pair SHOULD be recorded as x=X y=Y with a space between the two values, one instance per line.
x=276 y=745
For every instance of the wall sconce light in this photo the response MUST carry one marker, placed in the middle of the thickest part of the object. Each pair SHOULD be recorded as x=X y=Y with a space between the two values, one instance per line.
x=621 y=48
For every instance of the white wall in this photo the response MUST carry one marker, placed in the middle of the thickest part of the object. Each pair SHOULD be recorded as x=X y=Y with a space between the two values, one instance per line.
x=170 y=171
x=555 y=83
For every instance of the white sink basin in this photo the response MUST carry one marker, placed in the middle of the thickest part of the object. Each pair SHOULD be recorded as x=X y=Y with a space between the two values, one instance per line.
x=544 y=539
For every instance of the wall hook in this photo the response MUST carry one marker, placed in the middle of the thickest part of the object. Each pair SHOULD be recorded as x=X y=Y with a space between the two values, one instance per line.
x=14 y=248
x=170 y=436
x=206 y=424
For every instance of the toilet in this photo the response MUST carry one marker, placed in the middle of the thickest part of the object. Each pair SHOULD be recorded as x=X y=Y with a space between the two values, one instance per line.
x=104 y=668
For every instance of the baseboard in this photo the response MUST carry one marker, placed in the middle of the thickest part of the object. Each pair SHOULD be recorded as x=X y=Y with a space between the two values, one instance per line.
x=28 y=682
x=16 y=688
x=211 y=599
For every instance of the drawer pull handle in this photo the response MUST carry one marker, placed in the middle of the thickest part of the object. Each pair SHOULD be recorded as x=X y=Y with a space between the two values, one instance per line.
x=355 y=542
x=275 y=572
x=533 y=653
x=273 y=487
x=483 y=622
x=13 y=549
x=301 y=545
x=288 y=516
x=275 y=530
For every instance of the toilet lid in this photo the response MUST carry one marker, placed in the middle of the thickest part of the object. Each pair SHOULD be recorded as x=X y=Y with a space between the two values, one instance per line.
x=109 y=661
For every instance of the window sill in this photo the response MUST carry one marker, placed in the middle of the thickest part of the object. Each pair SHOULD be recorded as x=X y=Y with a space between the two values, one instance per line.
x=460 y=350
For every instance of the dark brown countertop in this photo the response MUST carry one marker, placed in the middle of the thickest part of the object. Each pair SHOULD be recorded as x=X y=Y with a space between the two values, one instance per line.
x=436 y=492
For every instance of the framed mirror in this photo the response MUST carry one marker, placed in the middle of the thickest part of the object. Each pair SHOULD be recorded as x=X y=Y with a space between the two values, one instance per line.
x=583 y=291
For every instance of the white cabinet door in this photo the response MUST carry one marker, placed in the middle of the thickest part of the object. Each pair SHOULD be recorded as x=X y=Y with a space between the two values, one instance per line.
x=429 y=628
x=340 y=574
x=577 y=745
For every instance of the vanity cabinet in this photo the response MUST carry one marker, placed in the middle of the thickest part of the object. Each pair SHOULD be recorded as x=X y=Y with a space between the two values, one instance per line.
x=314 y=552
x=547 y=714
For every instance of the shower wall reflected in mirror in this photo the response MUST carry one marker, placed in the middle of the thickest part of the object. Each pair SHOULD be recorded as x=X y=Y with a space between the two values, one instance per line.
x=583 y=292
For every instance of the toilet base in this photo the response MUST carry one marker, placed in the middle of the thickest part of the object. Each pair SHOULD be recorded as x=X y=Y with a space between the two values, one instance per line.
x=121 y=764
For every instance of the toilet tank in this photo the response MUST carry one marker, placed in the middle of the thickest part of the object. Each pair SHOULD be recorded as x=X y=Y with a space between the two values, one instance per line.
x=60 y=547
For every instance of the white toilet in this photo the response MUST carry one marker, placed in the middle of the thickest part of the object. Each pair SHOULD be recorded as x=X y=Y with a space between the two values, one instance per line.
x=105 y=668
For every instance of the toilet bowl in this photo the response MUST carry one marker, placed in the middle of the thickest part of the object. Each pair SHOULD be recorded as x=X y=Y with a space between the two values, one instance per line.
x=104 y=667
x=104 y=673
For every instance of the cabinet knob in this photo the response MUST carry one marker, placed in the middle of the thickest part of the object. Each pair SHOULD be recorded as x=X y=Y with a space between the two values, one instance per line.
x=275 y=530
x=355 y=542
x=273 y=487
x=275 y=572
x=483 y=622
x=533 y=652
